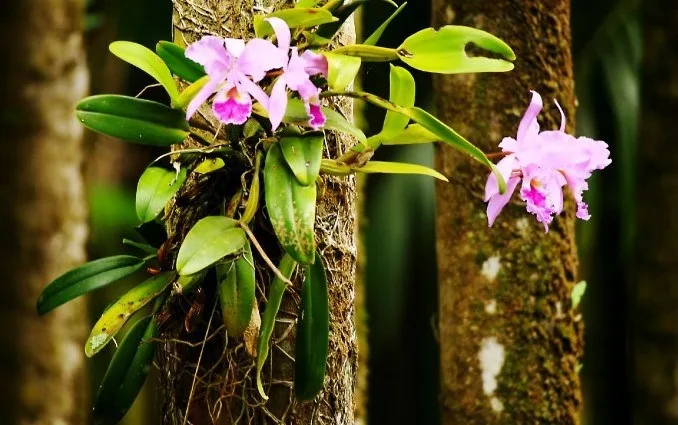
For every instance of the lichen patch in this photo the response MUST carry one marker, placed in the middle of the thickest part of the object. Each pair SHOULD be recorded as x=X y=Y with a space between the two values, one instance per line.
x=491 y=357
x=490 y=268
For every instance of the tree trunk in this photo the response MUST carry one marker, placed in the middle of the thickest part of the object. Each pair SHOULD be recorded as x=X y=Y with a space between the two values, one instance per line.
x=510 y=341
x=654 y=291
x=42 y=221
x=225 y=392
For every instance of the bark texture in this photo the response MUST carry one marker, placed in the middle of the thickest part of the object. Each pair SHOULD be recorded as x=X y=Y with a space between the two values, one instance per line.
x=654 y=291
x=42 y=221
x=510 y=341
x=225 y=391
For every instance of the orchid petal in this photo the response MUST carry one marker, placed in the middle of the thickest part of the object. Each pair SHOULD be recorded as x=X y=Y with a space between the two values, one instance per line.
x=231 y=106
x=235 y=46
x=202 y=96
x=505 y=168
x=562 y=116
x=282 y=33
x=211 y=53
x=245 y=85
x=498 y=201
x=315 y=63
x=260 y=56
x=277 y=104
x=529 y=120
x=317 y=118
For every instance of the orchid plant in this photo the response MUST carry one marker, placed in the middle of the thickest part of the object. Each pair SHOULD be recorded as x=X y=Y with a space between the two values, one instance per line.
x=261 y=108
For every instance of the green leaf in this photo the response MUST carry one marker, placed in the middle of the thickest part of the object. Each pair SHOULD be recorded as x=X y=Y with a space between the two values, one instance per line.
x=296 y=114
x=577 y=293
x=135 y=120
x=126 y=373
x=115 y=316
x=312 y=333
x=210 y=240
x=444 y=51
x=341 y=70
x=86 y=278
x=368 y=53
x=144 y=59
x=373 y=39
x=412 y=134
x=155 y=188
x=399 y=168
x=209 y=165
x=236 y=292
x=186 y=283
x=303 y=154
x=291 y=207
x=143 y=247
x=402 y=93
x=275 y=295
x=304 y=17
x=306 y=3
x=191 y=91
x=174 y=56
x=342 y=13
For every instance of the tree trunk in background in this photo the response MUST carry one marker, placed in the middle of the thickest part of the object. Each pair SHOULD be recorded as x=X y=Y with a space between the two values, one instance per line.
x=654 y=291
x=230 y=388
x=42 y=220
x=510 y=341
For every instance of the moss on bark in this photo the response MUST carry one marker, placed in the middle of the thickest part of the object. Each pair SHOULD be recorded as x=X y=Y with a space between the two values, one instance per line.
x=505 y=291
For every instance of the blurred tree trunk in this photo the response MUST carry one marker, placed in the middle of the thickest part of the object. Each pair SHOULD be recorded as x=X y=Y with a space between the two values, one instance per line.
x=225 y=392
x=654 y=292
x=510 y=341
x=42 y=220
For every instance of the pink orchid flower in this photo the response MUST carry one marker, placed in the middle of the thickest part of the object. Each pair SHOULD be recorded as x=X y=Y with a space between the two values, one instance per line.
x=545 y=162
x=233 y=68
x=296 y=76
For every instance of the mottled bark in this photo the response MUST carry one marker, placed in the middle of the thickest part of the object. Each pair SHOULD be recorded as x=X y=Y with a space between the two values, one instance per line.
x=510 y=341
x=654 y=290
x=226 y=393
x=42 y=220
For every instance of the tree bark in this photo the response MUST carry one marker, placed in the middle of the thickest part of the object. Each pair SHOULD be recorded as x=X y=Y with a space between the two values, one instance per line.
x=654 y=289
x=42 y=221
x=510 y=341
x=228 y=394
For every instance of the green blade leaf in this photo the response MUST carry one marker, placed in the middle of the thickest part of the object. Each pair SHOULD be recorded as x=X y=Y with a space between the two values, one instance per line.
x=175 y=58
x=303 y=155
x=312 y=333
x=135 y=120
x=237 y=284
x=144 y=59
x=412 y=134
x=291 y=207
x=373 y=39
x=275 y=295
x=86 y=278
x=190 y=92
x=126 y=373
x=210 y=240
x=155 y=188
x=341 y=70
x=296 y=114
x=342 y=13
x=402 y=93
x=115 y=316
x=368 y=53
x=209 y=165
x=444 y=51
x=304 y=17
x=104 y=413
x=399 y=168
x=306 y=3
